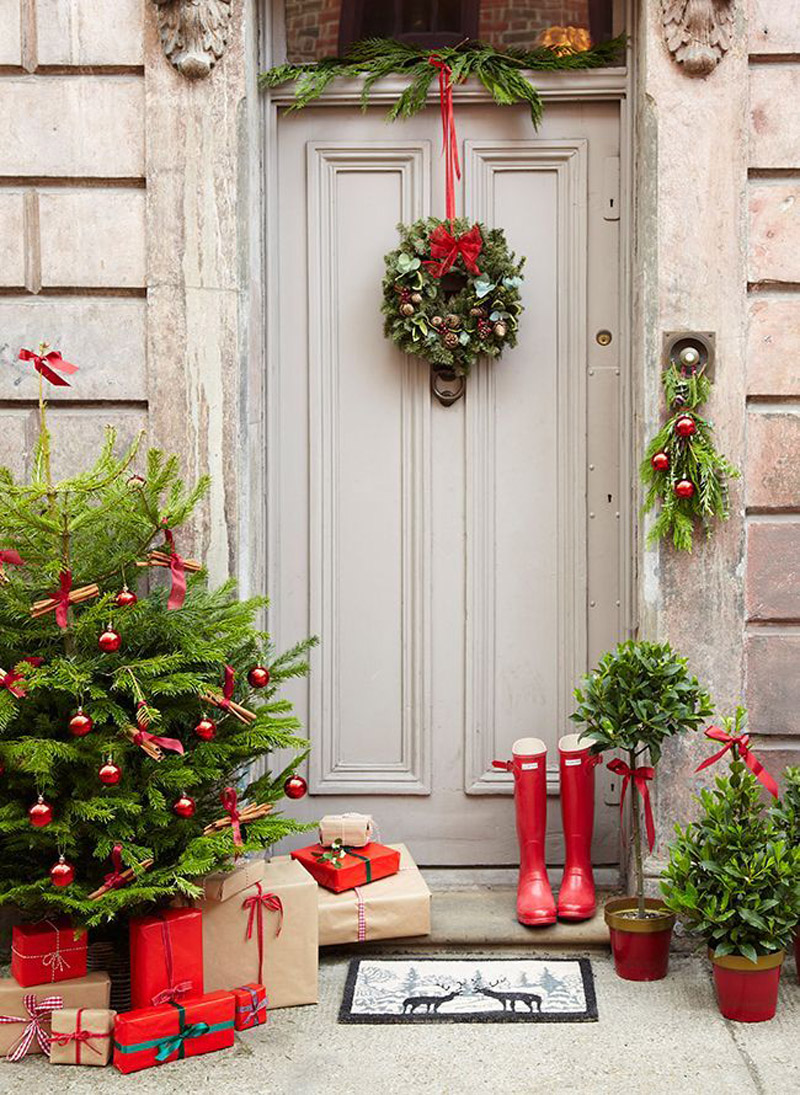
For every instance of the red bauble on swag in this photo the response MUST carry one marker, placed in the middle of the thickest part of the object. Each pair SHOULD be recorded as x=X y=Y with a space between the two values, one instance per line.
x=80 y=724
x=62 y=873
x=126 y=598
x=295 y=787
x=660 y=461
x=184 y=806
x=40 y=814
x=206 y=730
x=685 y=426
x=684 y=488
x=110 y=641
x=109 y=773
x=258 y=677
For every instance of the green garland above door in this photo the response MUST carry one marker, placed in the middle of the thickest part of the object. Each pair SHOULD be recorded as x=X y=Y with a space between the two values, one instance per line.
x=502 y=74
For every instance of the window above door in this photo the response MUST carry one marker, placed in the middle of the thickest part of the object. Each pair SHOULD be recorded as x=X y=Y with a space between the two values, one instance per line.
x=324 y=28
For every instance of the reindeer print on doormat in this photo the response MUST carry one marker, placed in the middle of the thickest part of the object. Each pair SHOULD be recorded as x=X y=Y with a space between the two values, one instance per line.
x=469 y=990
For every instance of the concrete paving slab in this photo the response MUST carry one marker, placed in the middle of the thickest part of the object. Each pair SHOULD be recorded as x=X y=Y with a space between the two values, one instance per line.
x=666 y=1038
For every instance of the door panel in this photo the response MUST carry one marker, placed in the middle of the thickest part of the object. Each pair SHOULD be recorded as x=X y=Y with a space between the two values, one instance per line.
x=440 y=553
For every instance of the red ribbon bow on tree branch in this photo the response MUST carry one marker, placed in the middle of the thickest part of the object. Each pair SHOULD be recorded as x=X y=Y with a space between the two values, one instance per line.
x=640 y=777
x=177 y=568
x=62 y=597
x=230 y=800
x=143 y=735
x=446 y=248
x=255 y=905
x=740 y=743
x=47 y=364
x=11 y=558
x=9 y=680
x=118 y=877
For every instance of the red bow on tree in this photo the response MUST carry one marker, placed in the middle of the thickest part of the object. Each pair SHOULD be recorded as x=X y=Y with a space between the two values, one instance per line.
x=9 y=680
x=177 y=568
x=12 y=558
x=446 y=248
x=46 y=364
x=640 y=777
x=62 y=597
x=143 y=735
x=740 y=743
x=230 y=800
x=117 y=877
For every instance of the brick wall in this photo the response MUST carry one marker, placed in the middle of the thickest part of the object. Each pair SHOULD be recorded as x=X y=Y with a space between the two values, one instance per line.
x=772 y=475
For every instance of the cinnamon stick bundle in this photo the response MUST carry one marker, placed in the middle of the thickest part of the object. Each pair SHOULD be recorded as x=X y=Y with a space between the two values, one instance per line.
x=236 y=709
x=152 y=750
x=76 y=597
x=126 y=876
x=162 y=559
x=253 y=812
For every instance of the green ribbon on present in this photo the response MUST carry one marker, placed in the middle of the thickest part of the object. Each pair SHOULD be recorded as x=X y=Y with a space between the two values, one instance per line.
x=335 y=856
x=173 y=1043
x=365 y=858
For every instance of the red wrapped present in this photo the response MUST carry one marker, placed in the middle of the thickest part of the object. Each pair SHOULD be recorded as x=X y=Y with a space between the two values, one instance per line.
x=47 y=951
x=153 y=1036
x=341 y=867
x=251 y=1005
x=166 y=957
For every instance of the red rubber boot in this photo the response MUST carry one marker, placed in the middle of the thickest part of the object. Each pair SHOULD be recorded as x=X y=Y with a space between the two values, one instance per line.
x=535 y=904
x=576 y=898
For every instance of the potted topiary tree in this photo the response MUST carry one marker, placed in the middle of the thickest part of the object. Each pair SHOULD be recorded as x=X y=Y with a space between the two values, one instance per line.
x=787 y=814
x=734 y=880
x=640 y=694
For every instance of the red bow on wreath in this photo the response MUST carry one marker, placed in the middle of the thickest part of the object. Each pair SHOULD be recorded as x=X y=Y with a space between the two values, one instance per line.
x=740 y=744
x=45 y=364
x=446 y=248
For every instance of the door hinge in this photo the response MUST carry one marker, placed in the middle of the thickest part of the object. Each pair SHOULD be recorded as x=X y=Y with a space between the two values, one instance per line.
x=611 y=188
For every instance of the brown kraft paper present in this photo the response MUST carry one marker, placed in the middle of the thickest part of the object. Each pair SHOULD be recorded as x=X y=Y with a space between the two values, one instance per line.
x=354 y=830
x=391 y=908
x=91 y=991
x=82 y=1036
x=282 y=898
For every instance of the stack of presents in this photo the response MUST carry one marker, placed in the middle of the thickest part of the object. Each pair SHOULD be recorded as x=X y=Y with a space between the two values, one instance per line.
x=200 y=973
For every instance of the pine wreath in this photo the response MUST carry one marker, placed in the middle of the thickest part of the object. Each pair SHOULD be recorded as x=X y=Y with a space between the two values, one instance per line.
x=451 y=292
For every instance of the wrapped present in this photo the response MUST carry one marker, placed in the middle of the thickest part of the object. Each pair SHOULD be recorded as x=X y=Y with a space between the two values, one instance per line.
x=260 y=925
x=166 y=957
x=391 y=908
x=47 y=951
x=352 y=830
x=151 y=1036
x=341 y=867
x=82 y=1036
x=25 y=1014
x=251 y=1006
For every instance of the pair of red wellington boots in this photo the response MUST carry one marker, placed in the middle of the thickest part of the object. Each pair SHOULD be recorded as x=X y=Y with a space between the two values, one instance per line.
x=576 y=898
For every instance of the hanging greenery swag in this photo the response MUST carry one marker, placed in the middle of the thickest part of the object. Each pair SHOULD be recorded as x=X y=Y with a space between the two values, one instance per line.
x=502 y=74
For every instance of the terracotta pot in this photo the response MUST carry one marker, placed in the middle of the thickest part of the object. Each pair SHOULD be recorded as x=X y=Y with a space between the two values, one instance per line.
x=747 y=991
x=640 y=947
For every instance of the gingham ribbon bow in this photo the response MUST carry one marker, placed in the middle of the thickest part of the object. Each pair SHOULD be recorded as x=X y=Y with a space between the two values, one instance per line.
x=38 y=1012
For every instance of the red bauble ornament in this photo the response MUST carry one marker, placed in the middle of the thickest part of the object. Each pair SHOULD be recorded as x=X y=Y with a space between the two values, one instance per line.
x=109 y=641
x=206 y=729
x=80 y=724
x=40 y=814
x=685 y=426
x=62 y=873
x=295 y=787
x=109 y=773
x=684 y=488
x=660 y=461
x=184 y=806
x=125 y=598
x=258 y=676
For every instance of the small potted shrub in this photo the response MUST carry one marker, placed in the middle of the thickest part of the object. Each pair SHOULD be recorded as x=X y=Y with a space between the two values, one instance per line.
x=787 y=815
x=734 y=880
x=640 y=694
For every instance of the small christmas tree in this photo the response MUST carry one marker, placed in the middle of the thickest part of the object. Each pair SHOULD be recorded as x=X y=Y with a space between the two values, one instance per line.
x=128 y=728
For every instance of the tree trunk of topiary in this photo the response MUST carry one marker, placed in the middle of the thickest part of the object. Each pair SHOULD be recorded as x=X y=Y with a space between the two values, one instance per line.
x=636 y=838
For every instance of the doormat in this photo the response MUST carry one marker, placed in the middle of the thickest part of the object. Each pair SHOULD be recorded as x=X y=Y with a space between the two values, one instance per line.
x=469 y=990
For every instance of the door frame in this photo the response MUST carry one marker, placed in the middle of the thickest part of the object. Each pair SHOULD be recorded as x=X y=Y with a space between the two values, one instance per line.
x=259 y=556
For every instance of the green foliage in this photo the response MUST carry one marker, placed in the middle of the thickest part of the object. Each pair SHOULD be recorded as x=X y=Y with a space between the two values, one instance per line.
x=502 y=74
x=786 y=811
x=640 y=694
x=733 y=878
x=99 y=524
x=492 y=295
x=691 y=458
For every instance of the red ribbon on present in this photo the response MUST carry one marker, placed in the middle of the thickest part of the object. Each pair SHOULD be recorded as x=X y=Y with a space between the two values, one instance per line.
x=255 y=904
x=49 y=366
x=174 y=991
x=177 y=568
x=640 y=777
x=449 y=140
x=143 y=734
x=38 y=1012
x=446 y=248
x=740 y=743
x=229 y=800
x=80 y=1037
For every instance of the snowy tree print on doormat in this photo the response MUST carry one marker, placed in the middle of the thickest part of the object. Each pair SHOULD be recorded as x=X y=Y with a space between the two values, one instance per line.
x=469 y=990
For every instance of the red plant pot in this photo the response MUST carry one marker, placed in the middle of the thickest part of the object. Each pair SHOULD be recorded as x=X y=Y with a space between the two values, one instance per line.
x=640 y=947
x=747 y=992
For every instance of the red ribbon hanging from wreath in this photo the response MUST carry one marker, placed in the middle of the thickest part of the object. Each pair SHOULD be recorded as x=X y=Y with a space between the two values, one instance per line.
x=452 y=167
x=47 y=364
x=740 y=743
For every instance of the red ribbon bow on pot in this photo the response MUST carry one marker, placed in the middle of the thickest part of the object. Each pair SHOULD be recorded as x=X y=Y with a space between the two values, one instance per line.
x=177 y=567
x=640 y=777
x=229 y=800
x=740 y=743
x=38 y=1012
x=446 y=248
x=47 y=364
x=255 y=905
x=143 y=735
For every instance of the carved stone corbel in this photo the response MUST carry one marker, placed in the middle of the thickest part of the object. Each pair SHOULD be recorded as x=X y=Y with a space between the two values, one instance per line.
x=697 y=32
x=194 y=33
